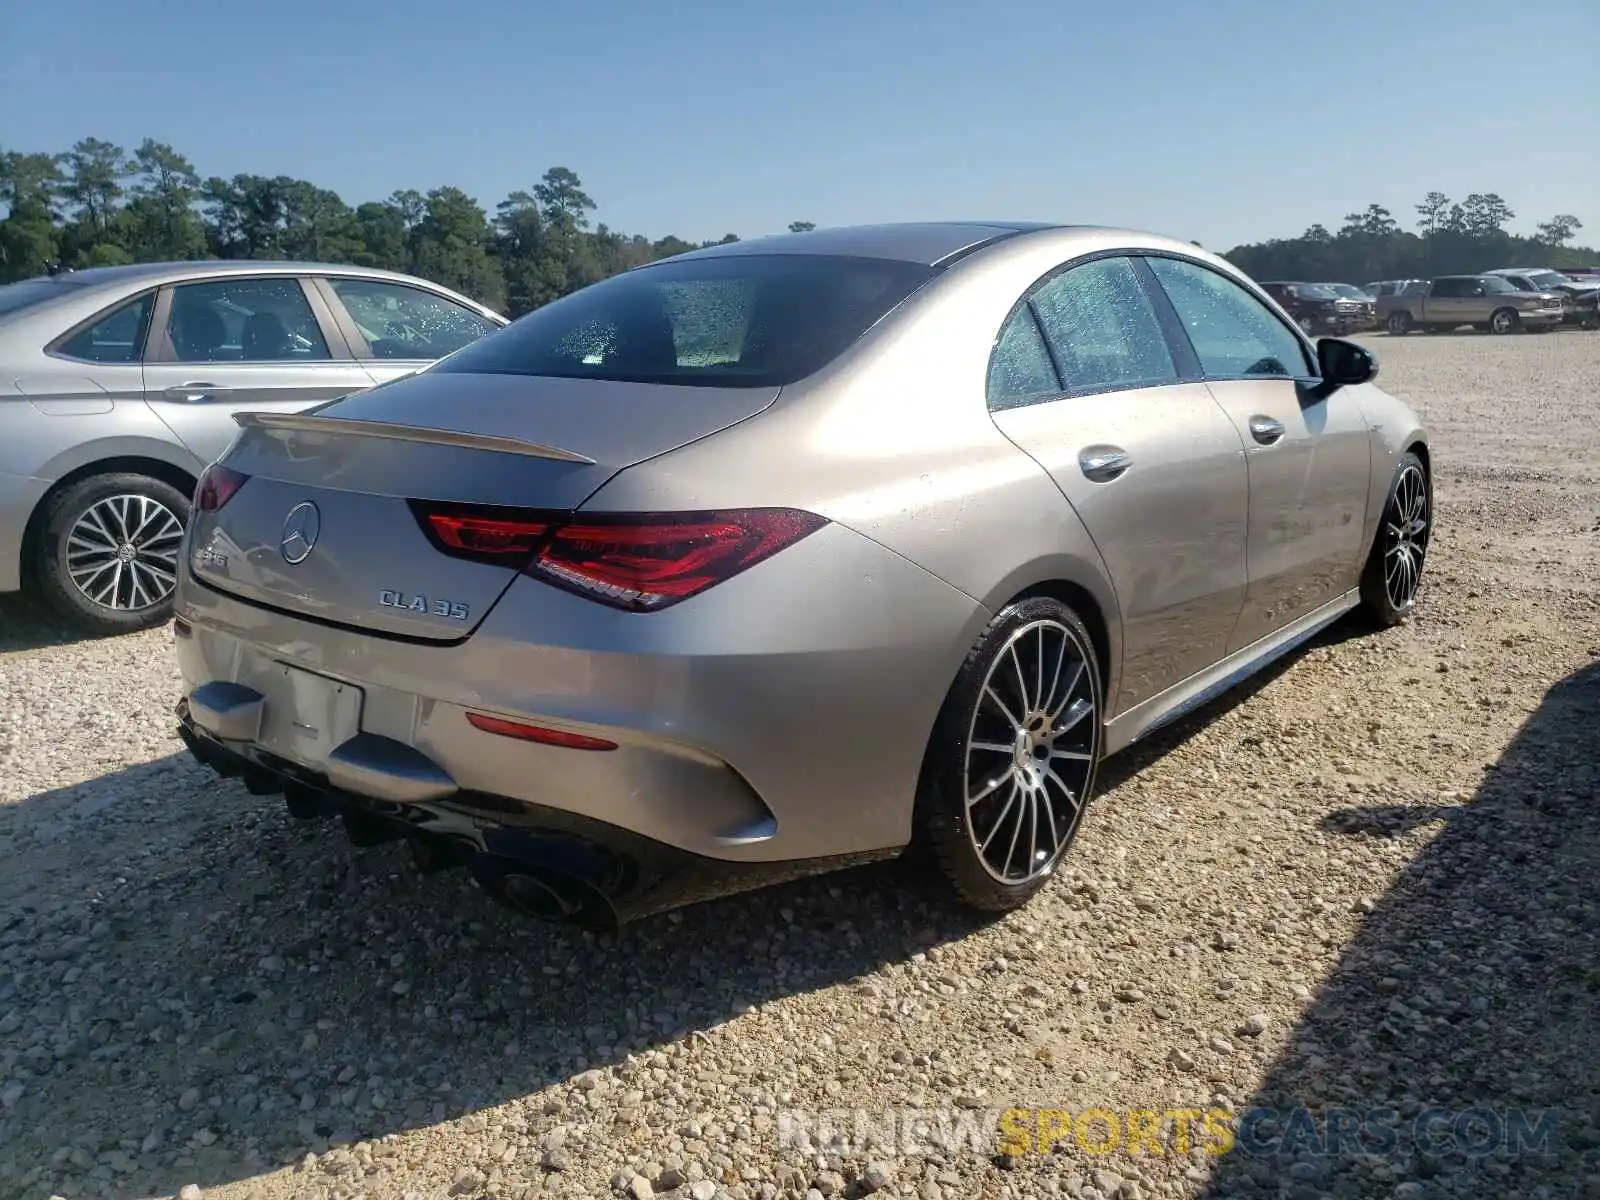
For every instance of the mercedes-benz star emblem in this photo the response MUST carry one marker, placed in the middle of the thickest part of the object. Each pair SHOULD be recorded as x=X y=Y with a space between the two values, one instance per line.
x=300 y=533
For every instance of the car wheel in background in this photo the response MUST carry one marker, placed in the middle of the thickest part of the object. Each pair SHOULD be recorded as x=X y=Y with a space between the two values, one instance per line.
x=1504 y=320
x=1393 y=573
x=1011 y=764
x=1399 y=323
x=107 y=554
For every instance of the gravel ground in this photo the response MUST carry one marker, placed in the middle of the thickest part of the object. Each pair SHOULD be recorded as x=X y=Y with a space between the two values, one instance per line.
x=1365 y=882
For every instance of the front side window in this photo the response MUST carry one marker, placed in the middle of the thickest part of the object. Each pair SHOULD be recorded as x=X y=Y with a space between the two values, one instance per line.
x=1495 y=285
x=398 y=321
x=117 y=337
x=1103 y=329
x=741 y=320
x=244 y=320
x=1234 y=335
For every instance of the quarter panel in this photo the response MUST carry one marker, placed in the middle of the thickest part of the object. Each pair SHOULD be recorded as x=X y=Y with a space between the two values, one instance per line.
x=1392 y=427
x=895 y=441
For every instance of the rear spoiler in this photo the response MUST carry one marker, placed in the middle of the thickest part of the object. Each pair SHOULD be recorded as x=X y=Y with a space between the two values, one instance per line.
x=346 y=427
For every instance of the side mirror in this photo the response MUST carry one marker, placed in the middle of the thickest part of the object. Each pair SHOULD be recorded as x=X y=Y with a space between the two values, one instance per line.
x=1345 y=363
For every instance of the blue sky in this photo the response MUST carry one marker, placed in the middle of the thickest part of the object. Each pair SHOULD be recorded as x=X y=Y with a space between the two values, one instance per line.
x=1217 y=120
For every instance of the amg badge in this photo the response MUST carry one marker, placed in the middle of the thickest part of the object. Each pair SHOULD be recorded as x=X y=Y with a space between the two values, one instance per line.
x=449 y=609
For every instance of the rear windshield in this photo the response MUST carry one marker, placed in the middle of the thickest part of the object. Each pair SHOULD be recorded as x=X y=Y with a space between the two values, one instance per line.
x=744 y=320
x=14 y=296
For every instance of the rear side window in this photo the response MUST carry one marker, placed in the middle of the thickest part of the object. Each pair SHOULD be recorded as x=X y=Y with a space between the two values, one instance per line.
x=1102 y=328
x=744 y=320
x=244 y=320
x=1020 y=370
x=117 y=337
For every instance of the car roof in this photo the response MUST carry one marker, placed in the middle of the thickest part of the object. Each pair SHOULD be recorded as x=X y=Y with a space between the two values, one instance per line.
x=930 y=243
x=174 y=272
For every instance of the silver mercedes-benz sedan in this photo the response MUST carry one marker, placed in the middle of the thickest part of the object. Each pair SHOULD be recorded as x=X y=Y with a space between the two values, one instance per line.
x=788 y=554
x=119 y=384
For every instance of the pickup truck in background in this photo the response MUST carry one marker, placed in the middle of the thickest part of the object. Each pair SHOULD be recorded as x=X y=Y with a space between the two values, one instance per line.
x=1318 y=309
x=1485 y=302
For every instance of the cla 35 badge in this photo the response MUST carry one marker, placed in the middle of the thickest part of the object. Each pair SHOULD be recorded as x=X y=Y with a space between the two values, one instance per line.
x=451 y=610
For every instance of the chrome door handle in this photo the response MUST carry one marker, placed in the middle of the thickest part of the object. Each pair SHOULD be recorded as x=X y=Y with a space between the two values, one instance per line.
x=1265 y=430
x=1104 y=463
x=193 y=391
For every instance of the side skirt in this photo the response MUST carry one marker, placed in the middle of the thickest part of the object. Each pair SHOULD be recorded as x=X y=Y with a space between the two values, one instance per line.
x=1201 y=688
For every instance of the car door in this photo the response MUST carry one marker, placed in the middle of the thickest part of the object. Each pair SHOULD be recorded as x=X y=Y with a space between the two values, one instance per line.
x=1450 y=302
x=240 y=343
x=1308 y=454
x=1083 y=379
x=396 y=328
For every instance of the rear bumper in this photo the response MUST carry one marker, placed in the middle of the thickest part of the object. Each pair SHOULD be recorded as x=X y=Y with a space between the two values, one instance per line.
x=588 y=872
x=782 y=716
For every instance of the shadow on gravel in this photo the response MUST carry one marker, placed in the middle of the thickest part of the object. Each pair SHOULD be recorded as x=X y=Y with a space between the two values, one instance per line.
x=234 y=988
x=1474 y=984
x=25 y=624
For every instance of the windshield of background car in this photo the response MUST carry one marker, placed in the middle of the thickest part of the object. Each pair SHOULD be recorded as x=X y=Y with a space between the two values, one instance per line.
x=1549 y=279
x=1350 y=291
x=1316 y=291
x=17 y=296
x=741 y=320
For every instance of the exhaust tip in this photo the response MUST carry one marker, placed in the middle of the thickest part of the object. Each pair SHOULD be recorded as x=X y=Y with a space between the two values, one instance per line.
x=303 y=803
x=546 y=894
x=365 y=831
x=539 y=898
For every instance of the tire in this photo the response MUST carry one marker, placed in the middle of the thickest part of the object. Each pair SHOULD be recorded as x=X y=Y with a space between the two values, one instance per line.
x=1040 y=781
x=127 y=586
x=1389 y=589
x=1398 y=323
x=1504 y=320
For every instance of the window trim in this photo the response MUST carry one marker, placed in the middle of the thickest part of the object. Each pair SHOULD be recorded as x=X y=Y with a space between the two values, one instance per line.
x=360 y=349
x=142 y=343
x=1308 y=349
x=1182 y=353
x=161 y=350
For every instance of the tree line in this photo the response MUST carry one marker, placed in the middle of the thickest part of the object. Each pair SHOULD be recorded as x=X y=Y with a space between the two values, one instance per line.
x=1451 y=238
x=99 y=204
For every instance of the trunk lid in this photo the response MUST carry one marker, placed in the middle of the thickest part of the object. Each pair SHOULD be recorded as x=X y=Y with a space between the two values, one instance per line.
x=323 y=527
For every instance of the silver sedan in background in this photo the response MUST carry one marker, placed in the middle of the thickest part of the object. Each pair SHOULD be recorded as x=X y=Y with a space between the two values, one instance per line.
x=786 y=554
x=119 y=384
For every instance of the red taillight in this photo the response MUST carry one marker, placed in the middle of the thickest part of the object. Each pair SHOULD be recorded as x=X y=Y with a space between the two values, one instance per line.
x=537 y=733
x=487 y=536
x=640 y=562
x=645 y=563
x=216 y=487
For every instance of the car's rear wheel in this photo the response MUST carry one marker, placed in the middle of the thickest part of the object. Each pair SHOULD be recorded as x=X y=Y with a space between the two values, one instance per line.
x=107 y=555
x=1393 y=573
x=1504 y=320
x=1012 y=760
x=1399 y=323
